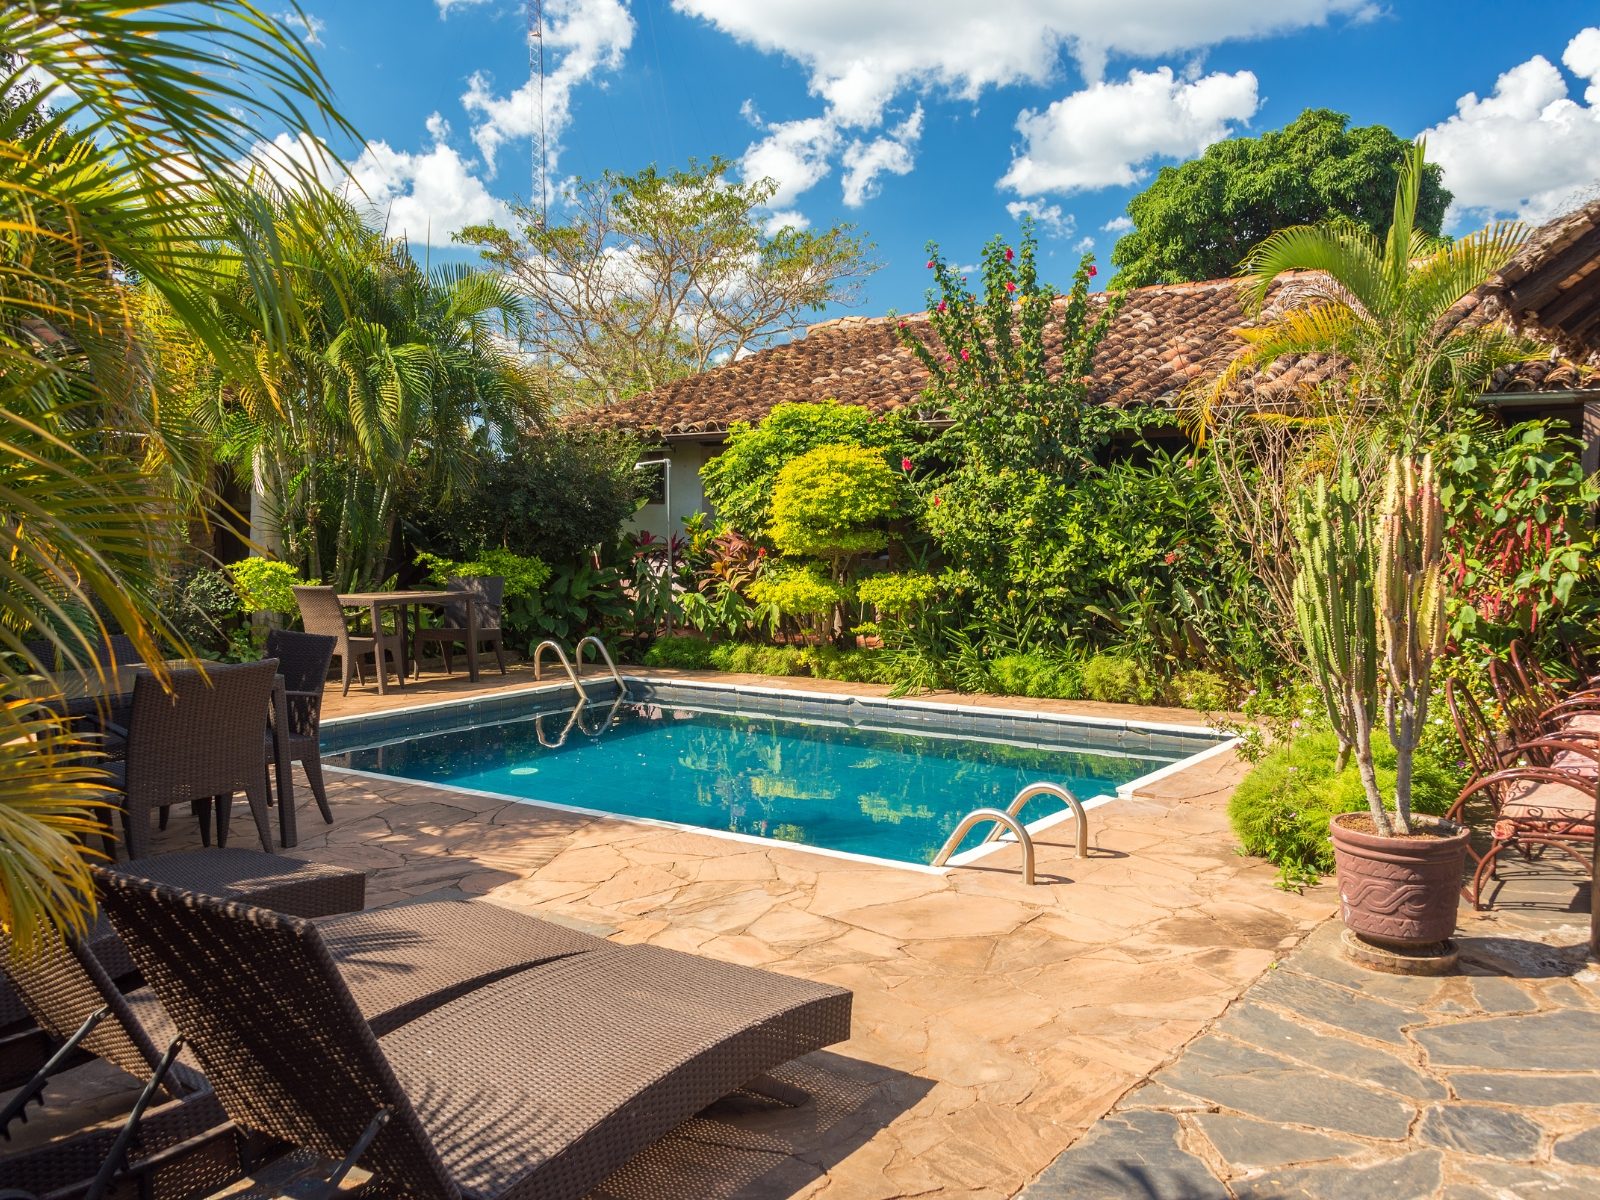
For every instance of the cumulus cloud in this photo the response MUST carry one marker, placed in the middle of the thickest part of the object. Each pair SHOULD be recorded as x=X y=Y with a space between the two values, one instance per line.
x=1117 y=225
x=1084 y=245
x=1108 y=133
x=307 y=25
x=1047 y=217
x=424 y=197
x=446 y=5
x=795 y=155
x=865 y=161
x=583 y=39
x=861 y=57
x=785 y=219
x=1528 y=148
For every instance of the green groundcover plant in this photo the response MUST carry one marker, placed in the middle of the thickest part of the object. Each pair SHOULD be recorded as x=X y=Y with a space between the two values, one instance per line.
x=1282 y=808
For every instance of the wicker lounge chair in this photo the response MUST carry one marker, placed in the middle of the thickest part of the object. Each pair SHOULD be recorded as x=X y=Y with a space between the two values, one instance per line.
x=399 y=962
x=539 y=1084
x=186 y=1146
x=196 y=740
x=485 y=591
x=1532 y=793
x=303 y=660
x=321 y=614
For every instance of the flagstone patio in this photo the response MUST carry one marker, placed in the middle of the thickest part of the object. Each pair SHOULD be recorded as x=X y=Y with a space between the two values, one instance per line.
x=995 y=1023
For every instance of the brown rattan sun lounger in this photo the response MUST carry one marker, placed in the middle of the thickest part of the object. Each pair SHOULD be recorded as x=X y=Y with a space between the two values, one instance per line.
x=538 y=1084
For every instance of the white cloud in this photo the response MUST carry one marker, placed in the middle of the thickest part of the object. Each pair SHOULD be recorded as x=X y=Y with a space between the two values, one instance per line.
x=582 y=38
x=861 y=56
x=1117 y=225
x=894 y=154
x=1047 y=217
x=1106 y=134
x=795 y=155
x=307 y=25
x=1084 y=245
x=446 y=5
x=1528 y=148
x=785 y=219
x=424 y=197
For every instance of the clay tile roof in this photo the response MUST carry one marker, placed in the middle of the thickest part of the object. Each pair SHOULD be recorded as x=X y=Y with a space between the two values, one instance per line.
x=1552 y=286
x=1163 y=338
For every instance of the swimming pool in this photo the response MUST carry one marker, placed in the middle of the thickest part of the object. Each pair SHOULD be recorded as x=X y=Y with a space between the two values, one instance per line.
x=880 y=779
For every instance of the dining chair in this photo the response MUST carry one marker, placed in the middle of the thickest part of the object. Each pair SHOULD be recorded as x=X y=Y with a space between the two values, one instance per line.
x=196 y=740
x=303 y=660
x=487 y=592
x=320 y=613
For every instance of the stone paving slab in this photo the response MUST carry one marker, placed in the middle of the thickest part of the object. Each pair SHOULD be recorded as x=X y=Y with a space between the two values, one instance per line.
x=1328 y=1082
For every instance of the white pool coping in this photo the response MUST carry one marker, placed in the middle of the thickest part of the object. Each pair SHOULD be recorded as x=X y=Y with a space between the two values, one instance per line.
x=965 y=858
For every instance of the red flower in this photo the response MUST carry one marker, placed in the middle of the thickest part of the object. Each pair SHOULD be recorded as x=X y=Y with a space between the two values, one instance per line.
x=902 y=325
x=1010 y=287
x=941 y=306
x=1010 y=254
x=1092 y=271
x=905 y=464
x=965 y=356
x=761 y=552
x=930 y=264
x=936 y=502
x=1171 y=557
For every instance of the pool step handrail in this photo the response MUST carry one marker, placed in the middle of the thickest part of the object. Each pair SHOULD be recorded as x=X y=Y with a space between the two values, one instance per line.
x=605 y=655
x=566 y=664
x=1001 y=818
x=1020 y=800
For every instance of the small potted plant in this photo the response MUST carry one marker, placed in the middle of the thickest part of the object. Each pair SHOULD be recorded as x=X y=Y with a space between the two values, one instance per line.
x=1370 y=604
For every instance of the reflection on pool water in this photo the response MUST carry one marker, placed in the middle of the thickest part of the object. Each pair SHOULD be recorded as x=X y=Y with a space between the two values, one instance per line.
x=887 y=794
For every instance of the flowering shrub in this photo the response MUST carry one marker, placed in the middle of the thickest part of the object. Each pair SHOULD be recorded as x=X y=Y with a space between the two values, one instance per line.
x=266 y=585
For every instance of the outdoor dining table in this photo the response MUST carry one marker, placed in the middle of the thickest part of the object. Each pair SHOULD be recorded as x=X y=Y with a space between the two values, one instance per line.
x=86 y=693
x=400 y=601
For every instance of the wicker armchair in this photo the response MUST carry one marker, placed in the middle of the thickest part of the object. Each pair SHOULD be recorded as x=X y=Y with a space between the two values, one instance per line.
x=197 y=741
x=321 y=614
x=303 y=660
x=487 y=592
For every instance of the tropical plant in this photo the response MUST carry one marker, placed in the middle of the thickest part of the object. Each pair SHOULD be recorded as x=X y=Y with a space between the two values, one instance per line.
x=265 y=585
x=121 y=169
x=1387 y=306
x=1371 y=604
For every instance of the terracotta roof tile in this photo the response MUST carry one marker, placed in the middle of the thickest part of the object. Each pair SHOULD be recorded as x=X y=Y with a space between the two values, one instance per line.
x=1163 y=338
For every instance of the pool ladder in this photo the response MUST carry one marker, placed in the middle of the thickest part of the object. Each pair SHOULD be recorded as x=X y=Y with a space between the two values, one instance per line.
x=573 y=674
x=1008 y=819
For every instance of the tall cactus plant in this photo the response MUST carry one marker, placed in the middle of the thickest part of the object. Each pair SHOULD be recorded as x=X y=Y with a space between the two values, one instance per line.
x=1369 y=600
x=1333 y=604
x=1410 y=595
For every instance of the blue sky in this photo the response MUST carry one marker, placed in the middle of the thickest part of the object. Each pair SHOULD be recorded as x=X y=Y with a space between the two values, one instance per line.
x=944 y=119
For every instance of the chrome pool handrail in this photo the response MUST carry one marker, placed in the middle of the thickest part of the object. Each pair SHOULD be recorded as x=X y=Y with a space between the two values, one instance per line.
x=999 y=817
x=1020 y=800
x=566 y=664
x=577 y=653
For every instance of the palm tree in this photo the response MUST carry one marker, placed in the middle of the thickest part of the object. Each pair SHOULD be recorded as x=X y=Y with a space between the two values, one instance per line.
x=123 y=169
x=1384 y=306
x=396 y=377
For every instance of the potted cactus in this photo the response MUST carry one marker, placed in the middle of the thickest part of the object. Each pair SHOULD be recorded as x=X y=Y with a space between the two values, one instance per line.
x=1369 y=600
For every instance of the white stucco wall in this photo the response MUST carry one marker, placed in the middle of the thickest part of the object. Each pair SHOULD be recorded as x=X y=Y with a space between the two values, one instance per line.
x=687 y=494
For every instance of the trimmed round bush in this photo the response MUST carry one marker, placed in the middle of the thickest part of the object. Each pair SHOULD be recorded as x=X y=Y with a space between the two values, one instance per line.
x=834 y=502
x=1282 y=808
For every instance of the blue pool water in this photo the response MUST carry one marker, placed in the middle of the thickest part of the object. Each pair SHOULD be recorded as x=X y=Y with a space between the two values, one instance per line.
x=886 y=794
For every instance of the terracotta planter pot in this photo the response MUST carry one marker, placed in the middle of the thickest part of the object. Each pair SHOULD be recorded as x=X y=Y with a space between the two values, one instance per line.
x=1399 y=892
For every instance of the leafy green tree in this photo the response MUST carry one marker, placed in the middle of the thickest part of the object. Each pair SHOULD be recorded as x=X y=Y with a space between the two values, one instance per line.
x=834 y=502
x=1199 y=220
x=740 y=481
x=1387 y=308
x=659 y=275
